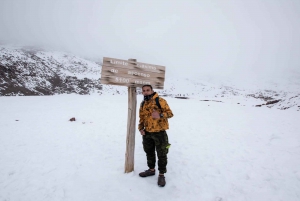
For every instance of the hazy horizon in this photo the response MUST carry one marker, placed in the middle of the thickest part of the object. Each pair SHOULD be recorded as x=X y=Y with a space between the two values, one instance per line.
x=191 y=38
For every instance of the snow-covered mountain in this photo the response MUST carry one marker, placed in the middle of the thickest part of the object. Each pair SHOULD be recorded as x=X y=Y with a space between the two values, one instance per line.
x=32 y=71
x=272 y=95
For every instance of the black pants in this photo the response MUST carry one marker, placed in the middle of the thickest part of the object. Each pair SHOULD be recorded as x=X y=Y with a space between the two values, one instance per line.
x=160 y=142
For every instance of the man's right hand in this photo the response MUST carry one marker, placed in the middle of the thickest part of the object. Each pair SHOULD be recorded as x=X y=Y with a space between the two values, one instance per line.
x=142 y=132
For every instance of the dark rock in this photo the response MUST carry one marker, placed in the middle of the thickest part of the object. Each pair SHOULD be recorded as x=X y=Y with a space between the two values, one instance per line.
x=181 y=97
x=211 y=100
x=272 y=102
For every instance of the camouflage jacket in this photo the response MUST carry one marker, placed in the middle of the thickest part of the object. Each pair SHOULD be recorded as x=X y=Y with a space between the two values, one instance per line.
x=154 y=125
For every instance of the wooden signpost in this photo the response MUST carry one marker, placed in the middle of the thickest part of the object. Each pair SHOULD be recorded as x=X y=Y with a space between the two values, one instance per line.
x=132 y=74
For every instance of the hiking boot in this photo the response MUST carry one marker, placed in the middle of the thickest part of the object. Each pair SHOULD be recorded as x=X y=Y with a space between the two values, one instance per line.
x=147 y=173
x=161 y=182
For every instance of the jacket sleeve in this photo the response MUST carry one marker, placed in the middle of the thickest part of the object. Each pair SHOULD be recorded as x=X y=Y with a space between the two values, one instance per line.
x=166 y=110
x=141 y=122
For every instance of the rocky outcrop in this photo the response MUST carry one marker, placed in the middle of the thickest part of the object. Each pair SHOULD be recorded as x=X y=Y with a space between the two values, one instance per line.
x=26 y=72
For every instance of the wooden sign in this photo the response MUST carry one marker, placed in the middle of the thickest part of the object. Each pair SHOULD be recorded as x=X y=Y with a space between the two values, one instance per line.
x=131 y=73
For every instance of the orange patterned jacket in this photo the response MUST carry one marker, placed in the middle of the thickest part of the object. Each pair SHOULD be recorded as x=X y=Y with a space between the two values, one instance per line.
x=149 y=124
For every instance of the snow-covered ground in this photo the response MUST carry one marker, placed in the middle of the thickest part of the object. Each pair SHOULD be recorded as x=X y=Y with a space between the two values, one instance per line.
x=220 y=151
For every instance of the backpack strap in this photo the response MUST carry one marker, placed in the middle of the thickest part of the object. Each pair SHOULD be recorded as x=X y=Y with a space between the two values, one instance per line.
x=142 y=104
x=157 y=102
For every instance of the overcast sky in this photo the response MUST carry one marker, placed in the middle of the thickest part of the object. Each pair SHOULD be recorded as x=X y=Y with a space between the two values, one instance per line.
x=189 y=37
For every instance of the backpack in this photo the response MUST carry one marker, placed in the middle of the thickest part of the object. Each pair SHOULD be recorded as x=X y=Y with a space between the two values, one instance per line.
x=157 y=103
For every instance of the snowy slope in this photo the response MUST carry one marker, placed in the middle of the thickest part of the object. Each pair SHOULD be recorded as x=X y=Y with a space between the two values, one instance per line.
x=31 y=71
x=220 y=151
x=278 y=95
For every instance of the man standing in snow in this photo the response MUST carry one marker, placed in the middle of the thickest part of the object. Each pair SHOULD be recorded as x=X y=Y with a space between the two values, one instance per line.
x=154 y=113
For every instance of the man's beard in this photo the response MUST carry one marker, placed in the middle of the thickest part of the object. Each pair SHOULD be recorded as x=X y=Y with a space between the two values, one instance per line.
x=148 y=97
